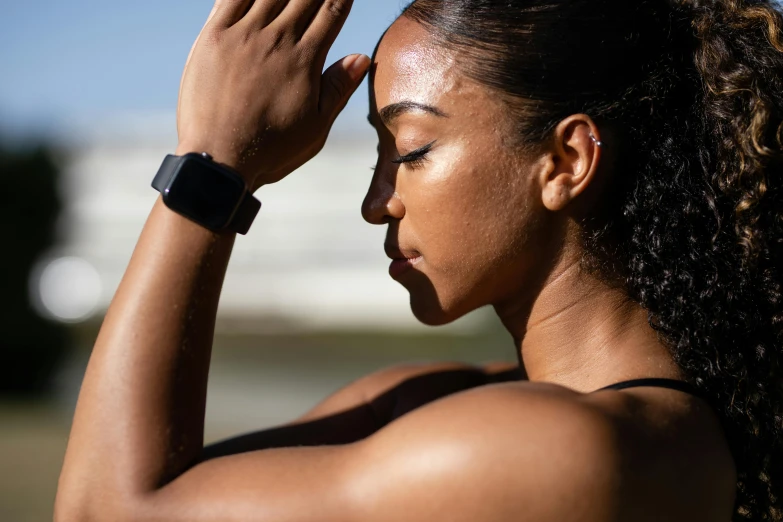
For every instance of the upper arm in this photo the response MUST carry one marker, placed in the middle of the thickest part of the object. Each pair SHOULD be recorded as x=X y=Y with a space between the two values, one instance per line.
x=452 y=377
x=492 y=454
x=462 y=458
x=364 y=407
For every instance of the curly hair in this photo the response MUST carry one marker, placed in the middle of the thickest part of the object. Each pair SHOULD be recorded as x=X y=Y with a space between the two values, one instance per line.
x=692 y=90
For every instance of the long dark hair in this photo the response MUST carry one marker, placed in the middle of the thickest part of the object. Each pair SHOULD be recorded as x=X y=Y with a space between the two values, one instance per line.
x=693 y=94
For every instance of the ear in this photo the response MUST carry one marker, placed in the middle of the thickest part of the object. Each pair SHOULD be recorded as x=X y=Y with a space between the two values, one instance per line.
x=575 y=153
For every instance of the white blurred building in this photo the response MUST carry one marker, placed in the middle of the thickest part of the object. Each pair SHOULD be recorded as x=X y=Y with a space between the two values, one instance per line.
x=309 y=261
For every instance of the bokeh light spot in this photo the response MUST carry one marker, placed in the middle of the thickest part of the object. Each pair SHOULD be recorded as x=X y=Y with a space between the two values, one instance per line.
x=67 y=289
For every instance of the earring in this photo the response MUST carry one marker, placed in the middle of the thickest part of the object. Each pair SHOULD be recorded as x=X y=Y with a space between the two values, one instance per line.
x=597 y=143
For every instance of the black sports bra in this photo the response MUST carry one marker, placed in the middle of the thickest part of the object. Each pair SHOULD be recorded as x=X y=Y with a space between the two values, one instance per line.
x=672 y=384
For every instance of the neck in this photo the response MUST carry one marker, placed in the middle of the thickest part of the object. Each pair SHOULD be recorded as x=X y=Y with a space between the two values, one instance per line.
x=582 y=333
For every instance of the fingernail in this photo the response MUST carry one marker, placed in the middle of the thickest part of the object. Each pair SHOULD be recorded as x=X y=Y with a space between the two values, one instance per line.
x=358 y=67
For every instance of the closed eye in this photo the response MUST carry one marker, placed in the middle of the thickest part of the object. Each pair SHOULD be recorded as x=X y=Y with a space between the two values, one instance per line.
x=416 y=158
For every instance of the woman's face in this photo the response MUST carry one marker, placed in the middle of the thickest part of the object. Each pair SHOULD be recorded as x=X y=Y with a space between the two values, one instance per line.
x=457 y=195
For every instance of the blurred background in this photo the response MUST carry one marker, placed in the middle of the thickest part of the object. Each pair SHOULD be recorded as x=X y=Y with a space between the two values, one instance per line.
x=88 y=93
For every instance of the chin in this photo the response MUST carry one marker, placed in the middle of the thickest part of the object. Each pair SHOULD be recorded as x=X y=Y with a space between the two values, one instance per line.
x=429 y=310
x=439 y=305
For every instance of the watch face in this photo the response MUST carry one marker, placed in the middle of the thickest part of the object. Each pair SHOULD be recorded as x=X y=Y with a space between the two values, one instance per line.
x=201 y=191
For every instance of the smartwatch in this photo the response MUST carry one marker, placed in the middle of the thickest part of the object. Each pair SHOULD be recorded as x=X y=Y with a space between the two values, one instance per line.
x=210 y=194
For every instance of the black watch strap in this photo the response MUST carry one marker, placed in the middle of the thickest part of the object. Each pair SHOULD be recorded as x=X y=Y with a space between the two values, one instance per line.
x=166 y=171
x=245 y=213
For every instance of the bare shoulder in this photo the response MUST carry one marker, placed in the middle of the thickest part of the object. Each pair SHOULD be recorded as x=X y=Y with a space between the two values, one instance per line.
x=495 y=453
x=380 y=381
x=529 y=451
x=500 y=452
x=415 y=383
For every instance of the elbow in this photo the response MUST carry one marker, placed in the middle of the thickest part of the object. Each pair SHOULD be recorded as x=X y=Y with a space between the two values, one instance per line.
x=69 y=515
x=64 y=512
x=68 y=503
x=69 y=509
x=78 y=505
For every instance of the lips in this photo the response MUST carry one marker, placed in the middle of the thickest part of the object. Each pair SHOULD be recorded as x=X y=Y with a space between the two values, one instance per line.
x=402 y=260
x=394 y=252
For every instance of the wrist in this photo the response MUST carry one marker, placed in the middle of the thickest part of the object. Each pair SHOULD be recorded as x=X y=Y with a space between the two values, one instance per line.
x=208 y=192
x=226 y=159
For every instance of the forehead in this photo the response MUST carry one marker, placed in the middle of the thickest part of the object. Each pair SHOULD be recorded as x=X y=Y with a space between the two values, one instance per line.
x=409 y=66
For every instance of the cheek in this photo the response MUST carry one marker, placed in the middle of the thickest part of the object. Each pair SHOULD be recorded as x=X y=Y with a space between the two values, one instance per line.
x=471 y=212
x=470 y=218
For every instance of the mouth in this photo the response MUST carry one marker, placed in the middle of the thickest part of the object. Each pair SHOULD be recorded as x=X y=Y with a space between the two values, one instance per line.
x=400 y=266
x=402 y=260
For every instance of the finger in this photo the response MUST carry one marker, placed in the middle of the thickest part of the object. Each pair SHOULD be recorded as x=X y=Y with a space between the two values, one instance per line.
x=212 y=14
x=328 y=22
x=300 y=13
x=264 y=12
x=339 y=82
x=228 y=12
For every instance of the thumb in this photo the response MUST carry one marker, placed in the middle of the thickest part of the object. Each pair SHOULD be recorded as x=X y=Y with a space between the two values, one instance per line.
x=340 y=81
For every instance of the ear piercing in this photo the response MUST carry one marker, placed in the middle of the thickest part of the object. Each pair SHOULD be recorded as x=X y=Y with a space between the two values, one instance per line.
x=597 y=143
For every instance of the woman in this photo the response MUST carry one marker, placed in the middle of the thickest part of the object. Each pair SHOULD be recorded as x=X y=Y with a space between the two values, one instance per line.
x=605 y=173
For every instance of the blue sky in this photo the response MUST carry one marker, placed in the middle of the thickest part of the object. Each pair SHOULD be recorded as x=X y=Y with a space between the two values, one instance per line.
x=86 y=60
x=71 y=64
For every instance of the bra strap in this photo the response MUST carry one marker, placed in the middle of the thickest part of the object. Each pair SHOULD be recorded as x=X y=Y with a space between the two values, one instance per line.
x=672 y=384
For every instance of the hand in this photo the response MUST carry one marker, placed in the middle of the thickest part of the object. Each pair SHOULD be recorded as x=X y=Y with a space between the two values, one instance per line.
x=253 y=94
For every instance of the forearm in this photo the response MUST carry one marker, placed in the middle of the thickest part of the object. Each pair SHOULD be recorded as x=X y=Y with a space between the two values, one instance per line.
x=259 y=103
x=140 y=416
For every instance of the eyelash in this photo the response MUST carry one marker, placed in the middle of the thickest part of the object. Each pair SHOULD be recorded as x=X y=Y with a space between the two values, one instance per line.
x=415 y=159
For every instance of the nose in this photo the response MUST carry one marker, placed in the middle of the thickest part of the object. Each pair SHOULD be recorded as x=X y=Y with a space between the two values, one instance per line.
x=382 y=203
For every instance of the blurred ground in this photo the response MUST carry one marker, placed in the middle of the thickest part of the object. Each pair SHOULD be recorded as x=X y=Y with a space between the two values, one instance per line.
x=256 y=381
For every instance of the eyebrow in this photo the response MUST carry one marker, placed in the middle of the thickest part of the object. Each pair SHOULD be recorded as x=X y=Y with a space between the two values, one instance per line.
x=393 y=111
